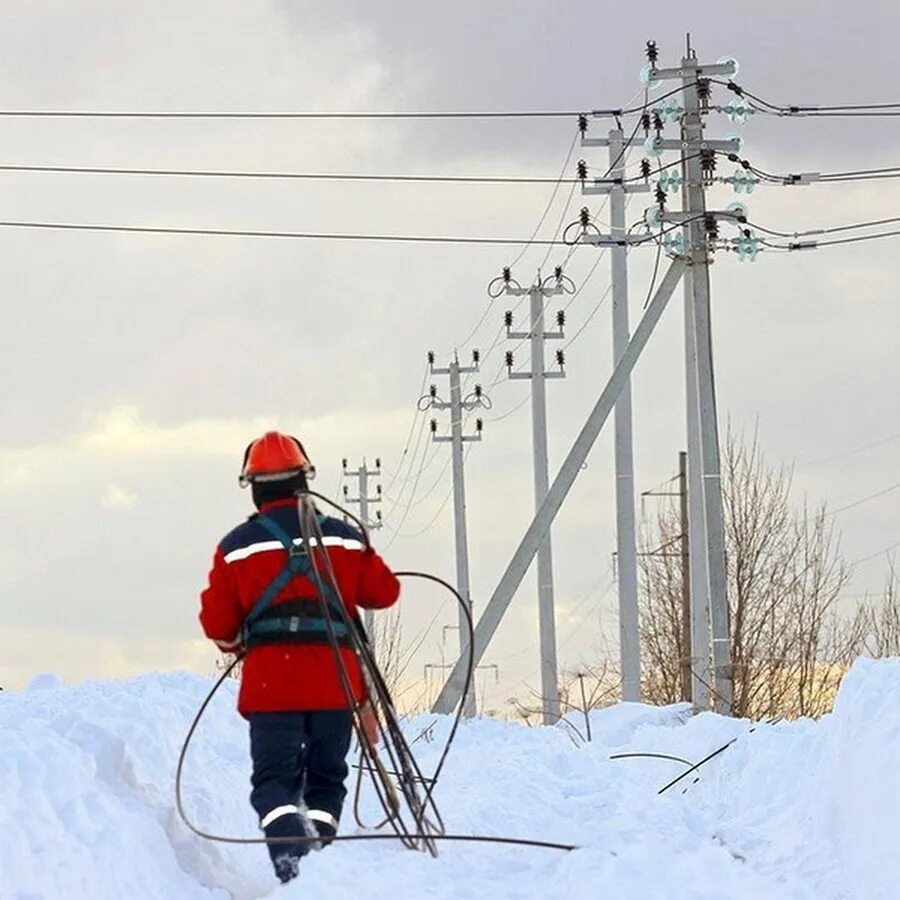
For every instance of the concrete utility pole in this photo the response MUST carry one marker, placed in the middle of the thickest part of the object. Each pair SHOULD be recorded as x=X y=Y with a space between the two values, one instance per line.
x=457 y=404
x=538 y=374
x=684 y=541
x=697 y=167
x=559 y=489
x=626 y=540
x=698 y=580
x=362 y=474
x=696 y=153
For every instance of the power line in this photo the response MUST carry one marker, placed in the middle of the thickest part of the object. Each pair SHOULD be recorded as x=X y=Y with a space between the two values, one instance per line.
x=550 y=202
x=863 y=500
x=314 y=115
x=412 y=427
x=815 y=245
x=659 y=250
x=847 y=110
x=415 y=486
x=858 y=240
x=299 y=176
x=831 y=230
x=853 y=452
x=572 y=249
x=434 y=518
x=857 y=562
x=490 y=305
x=603 y=298
x=806 y=178
x=297 y=235
x=413 y=114
x=558 y=229
x=418 y=501
x=514 y=409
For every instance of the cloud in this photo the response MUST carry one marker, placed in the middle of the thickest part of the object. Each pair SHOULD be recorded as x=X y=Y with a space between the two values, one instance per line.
x=76 y=656
x=116 y=497
x=122 y=437
x=122 y=431
x=152 y=361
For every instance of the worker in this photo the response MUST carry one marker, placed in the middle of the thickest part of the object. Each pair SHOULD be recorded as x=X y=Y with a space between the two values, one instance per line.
x=300 y=677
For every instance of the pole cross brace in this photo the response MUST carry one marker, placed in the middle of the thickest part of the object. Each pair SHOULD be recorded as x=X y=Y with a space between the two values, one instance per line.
x=676 y=217
x=693 y=69
x=604 y=141
x=728 y=145
x=463 y=370
x=522 y=292
x=608 y=240
x=525 y=335
x=608 y=185
x=446 y=439
x=521 y=376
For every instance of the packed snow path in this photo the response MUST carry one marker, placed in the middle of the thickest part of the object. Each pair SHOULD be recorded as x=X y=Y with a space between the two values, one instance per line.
x=803 y=810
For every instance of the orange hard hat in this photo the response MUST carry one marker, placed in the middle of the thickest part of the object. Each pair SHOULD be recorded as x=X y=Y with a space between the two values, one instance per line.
x=274 y=457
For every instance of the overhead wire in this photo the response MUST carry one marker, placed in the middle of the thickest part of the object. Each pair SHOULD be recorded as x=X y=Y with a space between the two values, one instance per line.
x=401 y=463
x=297 y=235
x=415 y=486
x=325 y=114
x=225 y=115
x=847 y=453
x=442 y=506
x=625 y=152
x=532 y=240
x=418 y=501
x=529 y=243
x=598 y=306
x=835 y=229
x=397 y=499
x=288 y=176
x=809 y=178
x=870 y=557
x=659 y=249
x=862 y=501
x=811 y=111
x=815 y=245
x=858 y=240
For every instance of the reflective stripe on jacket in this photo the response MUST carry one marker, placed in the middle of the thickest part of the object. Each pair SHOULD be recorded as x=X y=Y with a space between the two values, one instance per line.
x=285 y=677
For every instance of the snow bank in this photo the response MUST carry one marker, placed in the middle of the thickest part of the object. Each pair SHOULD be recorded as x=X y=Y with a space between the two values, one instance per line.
x=864 y=757
x=801 y=811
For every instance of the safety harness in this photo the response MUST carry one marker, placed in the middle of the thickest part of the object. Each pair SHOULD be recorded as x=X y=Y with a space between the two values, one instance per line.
x=298 y=620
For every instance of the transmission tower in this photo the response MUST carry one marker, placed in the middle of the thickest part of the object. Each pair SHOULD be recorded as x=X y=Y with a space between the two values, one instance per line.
x=537 y=374
x=457 y=405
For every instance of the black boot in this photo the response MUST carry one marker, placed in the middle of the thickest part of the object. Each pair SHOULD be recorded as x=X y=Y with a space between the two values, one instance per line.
x=326 y=833
x=285 y=854
x=286 y=867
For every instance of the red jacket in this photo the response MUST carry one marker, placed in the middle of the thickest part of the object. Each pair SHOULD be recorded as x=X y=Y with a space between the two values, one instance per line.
x=287 y=677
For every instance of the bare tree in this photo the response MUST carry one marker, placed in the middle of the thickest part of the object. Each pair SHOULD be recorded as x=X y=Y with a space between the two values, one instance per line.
x=883 y=618
x=785 y=574
x=580 y=690
x=395 y=656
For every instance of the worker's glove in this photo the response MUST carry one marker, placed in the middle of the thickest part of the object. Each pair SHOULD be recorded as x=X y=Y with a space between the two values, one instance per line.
x=368 y=721
x=235 y=646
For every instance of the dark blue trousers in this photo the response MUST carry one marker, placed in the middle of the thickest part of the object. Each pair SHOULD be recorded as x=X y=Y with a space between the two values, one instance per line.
x=299 y=757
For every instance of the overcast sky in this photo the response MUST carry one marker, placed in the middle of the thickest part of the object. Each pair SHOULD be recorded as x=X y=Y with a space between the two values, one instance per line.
x=138 y=367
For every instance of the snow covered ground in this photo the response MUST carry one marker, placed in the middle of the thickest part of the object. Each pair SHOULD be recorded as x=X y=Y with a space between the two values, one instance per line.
x=803 y=810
